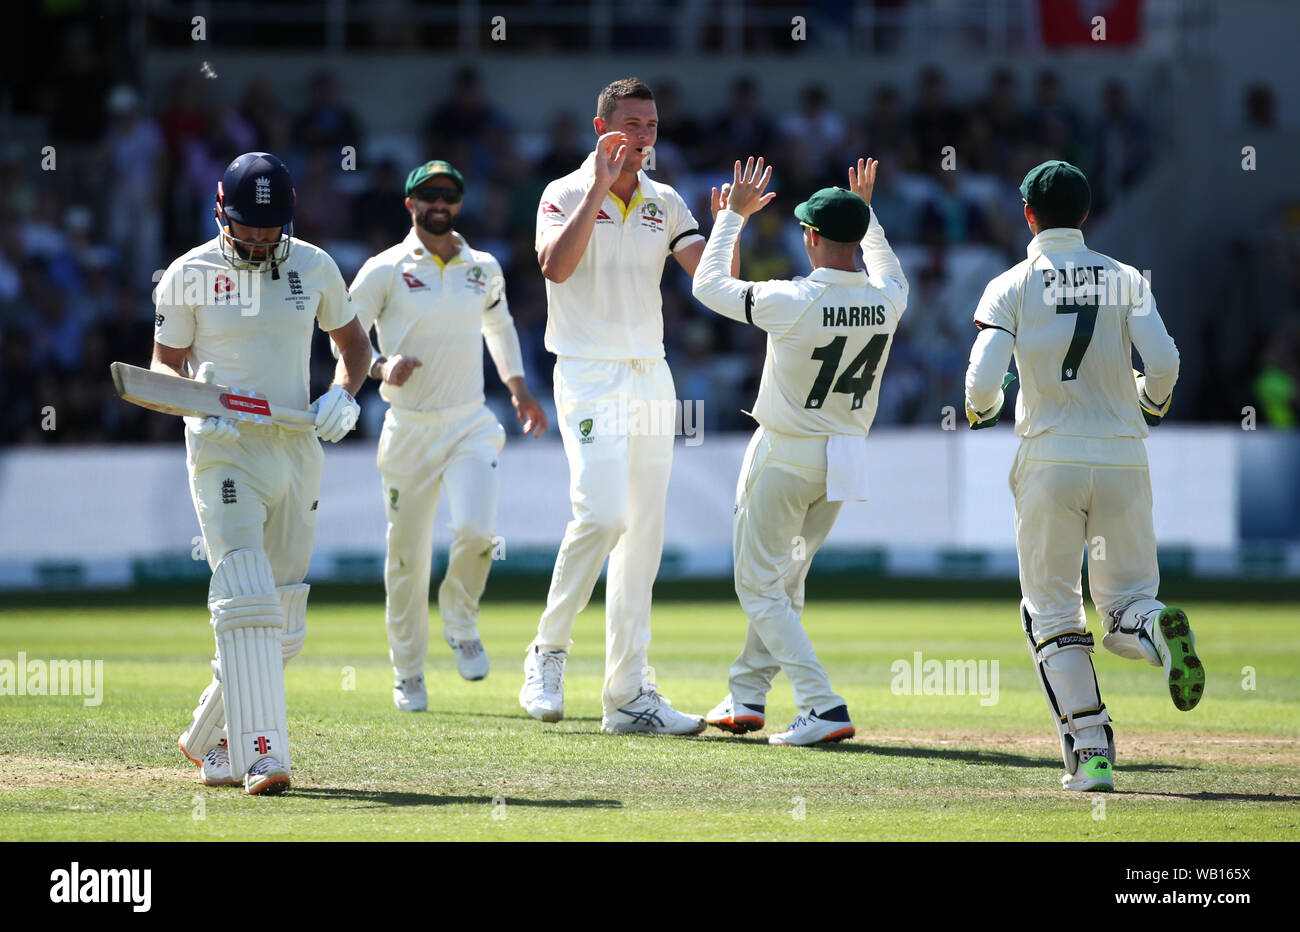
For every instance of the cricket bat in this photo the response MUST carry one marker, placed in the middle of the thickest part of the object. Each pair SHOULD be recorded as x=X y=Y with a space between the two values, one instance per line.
x=171 y=394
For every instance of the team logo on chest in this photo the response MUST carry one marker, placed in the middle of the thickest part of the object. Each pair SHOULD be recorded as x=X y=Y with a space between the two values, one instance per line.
x=652 y=216
x=296 y=294
x=476 y=280
x=413 y=283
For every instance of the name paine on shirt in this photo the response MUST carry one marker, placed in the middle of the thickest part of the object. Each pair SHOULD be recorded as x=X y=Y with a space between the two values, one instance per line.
x=1089 y=285
x=867 y=315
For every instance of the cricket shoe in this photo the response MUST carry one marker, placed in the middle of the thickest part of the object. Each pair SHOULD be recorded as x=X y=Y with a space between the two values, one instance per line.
x=1095 y=774
x=409 y=695
x=215 y=770
x=650 y=714
x=831 y=725
x=267 y=777
x=542 y=694
x=471 y=658
x=736 y=717
x=1176 y=646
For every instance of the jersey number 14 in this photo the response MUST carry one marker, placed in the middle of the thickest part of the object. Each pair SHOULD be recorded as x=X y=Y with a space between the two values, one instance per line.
x=855 y=380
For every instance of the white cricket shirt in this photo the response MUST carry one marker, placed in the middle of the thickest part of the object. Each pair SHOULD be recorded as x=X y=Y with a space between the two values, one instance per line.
x=611 y=306
x=1074 y=316
x=254 y=327
x=828 y=335
x=440 y=314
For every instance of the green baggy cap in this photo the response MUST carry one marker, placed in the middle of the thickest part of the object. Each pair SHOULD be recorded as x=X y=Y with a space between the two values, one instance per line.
x=426 y=171
x=1057 y=188
x=836 y=214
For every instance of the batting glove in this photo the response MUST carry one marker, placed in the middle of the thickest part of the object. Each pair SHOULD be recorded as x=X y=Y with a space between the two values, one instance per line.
x=990 y=417
x=1152 y=413
x=216 y=429
x=336 y=413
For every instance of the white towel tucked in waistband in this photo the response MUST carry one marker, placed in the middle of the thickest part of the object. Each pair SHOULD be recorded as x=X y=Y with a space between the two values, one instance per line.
x=846 y=468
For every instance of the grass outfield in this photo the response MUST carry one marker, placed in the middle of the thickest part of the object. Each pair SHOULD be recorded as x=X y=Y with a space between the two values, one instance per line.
x=475 y=767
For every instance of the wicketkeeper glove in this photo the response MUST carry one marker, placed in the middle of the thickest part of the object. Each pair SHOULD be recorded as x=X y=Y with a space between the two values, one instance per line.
x=1152 y=413
x=216 y=429
x=336 y=413
x=990 y=417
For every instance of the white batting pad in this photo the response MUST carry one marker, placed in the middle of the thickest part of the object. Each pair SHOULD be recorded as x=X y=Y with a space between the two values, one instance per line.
x=247 y=620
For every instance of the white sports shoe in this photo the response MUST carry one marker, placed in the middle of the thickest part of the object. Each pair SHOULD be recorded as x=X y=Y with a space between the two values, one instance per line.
x=542 y=695
x=811 y=729
x=651 y=714
x=736 y=717
x=214 y=769
x=267 y=777
x=409 y=694
x=471 y=658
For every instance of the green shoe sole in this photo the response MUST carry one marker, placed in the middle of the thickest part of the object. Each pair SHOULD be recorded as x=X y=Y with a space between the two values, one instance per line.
x=1186 y=674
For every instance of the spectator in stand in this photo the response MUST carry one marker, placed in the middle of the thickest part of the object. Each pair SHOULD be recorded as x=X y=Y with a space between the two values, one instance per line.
x=935 y=123
x=465 y=118
x=886 y=128
x=1121 y=148
x=742 y=126
x=326 y=123
x=261 y=110
x=1001 y=113
x=134 y=220
x=377 y=212
x=810 y=139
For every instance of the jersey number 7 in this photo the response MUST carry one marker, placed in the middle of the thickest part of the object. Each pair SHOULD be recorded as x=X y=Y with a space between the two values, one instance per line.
x=1084 y=325
x=864 y=365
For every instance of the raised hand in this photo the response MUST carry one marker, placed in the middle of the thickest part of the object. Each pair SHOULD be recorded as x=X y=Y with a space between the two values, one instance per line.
x=863 y=179
x=746 y=196
x=611 y=153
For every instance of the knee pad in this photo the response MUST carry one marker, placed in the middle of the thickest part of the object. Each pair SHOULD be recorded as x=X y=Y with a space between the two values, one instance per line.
x=1064 y=663
x=1128 y=631
x=249 y=625
x=293 y=606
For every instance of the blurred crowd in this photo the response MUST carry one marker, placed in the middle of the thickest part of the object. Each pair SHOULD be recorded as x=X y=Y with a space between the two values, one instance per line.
x=135 y=187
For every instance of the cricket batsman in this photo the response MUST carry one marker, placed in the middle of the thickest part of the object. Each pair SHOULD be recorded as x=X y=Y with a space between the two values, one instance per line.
x=604 y=232
x=239 y=310
x=1071 y=317
x=828 y=339
x=434 y=301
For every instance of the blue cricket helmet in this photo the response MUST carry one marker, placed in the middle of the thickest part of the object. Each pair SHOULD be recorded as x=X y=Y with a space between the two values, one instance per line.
x=255 y=191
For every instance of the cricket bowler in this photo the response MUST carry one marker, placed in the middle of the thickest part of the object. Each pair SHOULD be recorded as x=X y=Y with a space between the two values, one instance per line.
x=828 y=339
x=239 y=311
x=604 y=232
x=434 y=301
x=1071 y=317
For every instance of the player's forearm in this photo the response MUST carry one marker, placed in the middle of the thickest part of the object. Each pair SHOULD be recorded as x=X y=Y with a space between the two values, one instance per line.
x=1157 y=349
x=354 y=356
x=169 y=361
x=883 y=268
x=560 y=255
x=503 y=346
x=715 y=284
x=989 y=358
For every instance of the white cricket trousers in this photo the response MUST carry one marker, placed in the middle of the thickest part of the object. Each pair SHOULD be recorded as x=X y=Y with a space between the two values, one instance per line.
x=258 y=493
x=1077 y=496
x=782 y=518
x=617 y=419
x=421 y=454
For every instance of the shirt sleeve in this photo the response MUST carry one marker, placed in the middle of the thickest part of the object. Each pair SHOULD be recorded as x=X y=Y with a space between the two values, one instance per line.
x=998 y=306
x=174 y=321
x=499 y=329
x=1153 y=342
x=335 y=307
x=989 y=358
x=884 y=271
x=557 y=205
x=370 y=290
x=768 y=305
x=683 y=228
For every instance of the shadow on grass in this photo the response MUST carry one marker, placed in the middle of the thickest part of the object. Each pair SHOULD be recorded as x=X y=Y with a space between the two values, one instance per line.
x=968 y=756
x=520 y=716
x=1206 y=797
x=388 y=798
